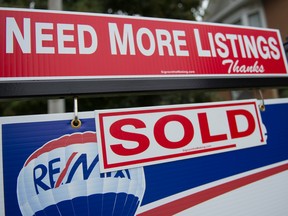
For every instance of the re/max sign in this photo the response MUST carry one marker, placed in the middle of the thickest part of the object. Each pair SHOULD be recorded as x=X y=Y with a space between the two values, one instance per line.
x=145 y=136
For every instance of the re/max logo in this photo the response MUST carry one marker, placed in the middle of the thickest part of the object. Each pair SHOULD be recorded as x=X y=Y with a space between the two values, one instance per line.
x=53 y=174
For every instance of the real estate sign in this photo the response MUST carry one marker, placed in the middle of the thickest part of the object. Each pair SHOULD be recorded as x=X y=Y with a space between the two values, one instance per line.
x=149 y=135
x=49 y=168
x=48 y=44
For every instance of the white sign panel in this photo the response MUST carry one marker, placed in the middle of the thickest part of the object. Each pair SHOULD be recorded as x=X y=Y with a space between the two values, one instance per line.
x=144 y=136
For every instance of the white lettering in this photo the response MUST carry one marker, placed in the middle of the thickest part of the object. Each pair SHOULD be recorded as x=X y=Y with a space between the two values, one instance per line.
x=223 y=51
x=122 y=44
x=201 y=52
x=146 y=40
x=263 y=49
x=139 y=37
x=232 y=38
x=41 y=37
x=233 y=45
x=241 y=45
x=179 y=43
x=164 y=40
x=234 y=67
x=275 y=53
x=62 y=38
x=83 y=49
x=213 y=50
x=47 y=41
x=250 y=46
x=12 y=30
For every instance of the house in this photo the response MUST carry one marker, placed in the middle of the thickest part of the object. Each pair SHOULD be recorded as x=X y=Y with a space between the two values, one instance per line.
x=257 y=13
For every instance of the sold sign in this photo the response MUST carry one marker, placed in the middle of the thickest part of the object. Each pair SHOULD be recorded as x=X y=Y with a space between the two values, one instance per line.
x=144 y=136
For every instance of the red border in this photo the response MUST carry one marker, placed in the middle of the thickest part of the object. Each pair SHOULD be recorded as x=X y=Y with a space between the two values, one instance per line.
x=147 y=160
x=155 y=110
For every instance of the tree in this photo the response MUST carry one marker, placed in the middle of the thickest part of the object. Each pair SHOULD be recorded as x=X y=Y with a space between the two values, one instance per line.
x=176 y=9
x=83 y=5
x=23 y=3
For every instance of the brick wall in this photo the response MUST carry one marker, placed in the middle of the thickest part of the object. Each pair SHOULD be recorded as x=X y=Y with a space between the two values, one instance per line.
x=277 y=15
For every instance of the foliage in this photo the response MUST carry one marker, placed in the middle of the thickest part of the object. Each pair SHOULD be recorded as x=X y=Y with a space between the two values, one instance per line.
x=177 y=9
x=83 y=5
x=23 y=3
x=13 y=107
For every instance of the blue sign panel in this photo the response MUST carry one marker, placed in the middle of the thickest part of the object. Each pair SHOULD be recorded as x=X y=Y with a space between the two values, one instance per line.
x=49 y=168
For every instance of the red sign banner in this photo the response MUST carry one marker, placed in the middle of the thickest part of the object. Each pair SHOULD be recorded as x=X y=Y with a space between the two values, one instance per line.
x=39 y=44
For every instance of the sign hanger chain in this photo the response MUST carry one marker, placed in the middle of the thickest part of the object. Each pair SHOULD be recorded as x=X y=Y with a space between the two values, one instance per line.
x=76 y=123
x=262 y=104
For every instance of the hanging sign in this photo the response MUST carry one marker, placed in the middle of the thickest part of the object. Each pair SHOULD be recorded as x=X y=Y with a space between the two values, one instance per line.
x=60 y=45
x=49 y=168
x=143 y=136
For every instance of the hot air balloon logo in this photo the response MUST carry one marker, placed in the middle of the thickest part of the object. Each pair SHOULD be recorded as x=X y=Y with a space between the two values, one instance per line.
x=63 y=178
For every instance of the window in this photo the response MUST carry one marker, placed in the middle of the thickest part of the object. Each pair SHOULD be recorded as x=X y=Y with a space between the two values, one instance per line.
x=254 y=19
